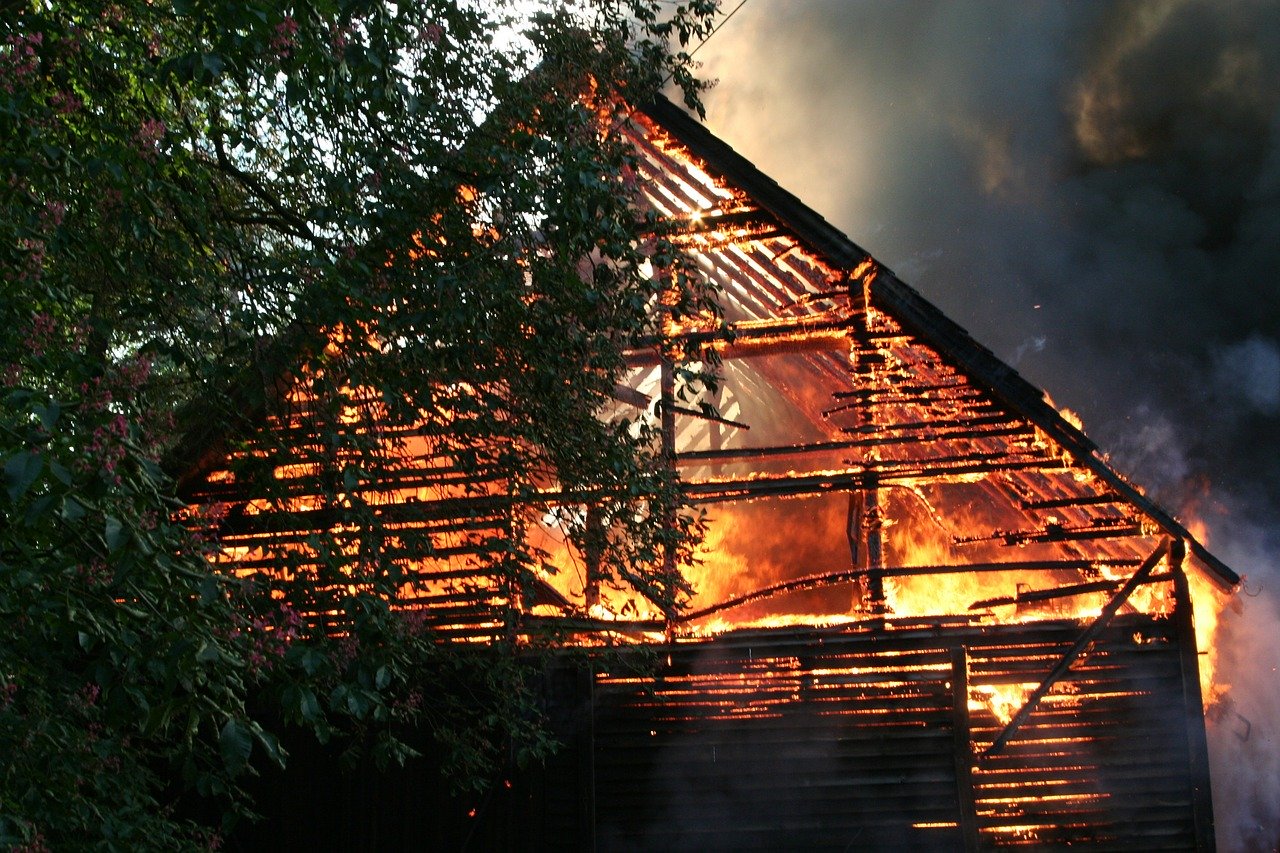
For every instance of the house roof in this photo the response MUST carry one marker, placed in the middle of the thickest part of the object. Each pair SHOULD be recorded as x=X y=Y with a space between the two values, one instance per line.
x=952 y=415
x=917 y=315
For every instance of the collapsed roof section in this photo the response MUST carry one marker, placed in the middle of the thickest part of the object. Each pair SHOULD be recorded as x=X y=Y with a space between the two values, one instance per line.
x=862 y=437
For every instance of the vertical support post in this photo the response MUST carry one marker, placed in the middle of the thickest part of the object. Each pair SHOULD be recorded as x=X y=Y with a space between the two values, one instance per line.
x=853 y=528
x=1193 y=702
x=668 y=389
x=867 y=508
x=515 y=591
x=667 y=385
x=593 y=553
x=875 y=556
x=963 y=752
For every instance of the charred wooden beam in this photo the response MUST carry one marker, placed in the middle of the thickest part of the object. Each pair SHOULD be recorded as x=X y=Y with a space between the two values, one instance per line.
x=933 y=425
x=743 y=340
x=667 y=384
x=625 y=394
x=701 y=222
x=825 y=579
x=713 y=240
x=897 y=467
x=1197 y=743
x=903 y=389
x=872 y=522
x=310 y=486
x=1081 y=643
x=969 y=401
x=749 y=454
x=1059 y=533
x=714 y=491
x=594 y=542
x=708 y=416
x=961 y=748
x=816 y=296
x=1080 y=500
x=1015 y=431
x=586 y=623
x=1062 y=592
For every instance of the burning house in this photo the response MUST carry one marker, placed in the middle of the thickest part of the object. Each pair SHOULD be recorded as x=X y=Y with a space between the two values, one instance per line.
x=928 y=613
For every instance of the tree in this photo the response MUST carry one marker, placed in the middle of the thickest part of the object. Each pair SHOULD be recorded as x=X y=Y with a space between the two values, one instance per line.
x=422 y=203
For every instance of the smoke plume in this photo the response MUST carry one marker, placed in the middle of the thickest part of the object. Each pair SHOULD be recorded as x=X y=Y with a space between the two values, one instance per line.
x=1094 y=192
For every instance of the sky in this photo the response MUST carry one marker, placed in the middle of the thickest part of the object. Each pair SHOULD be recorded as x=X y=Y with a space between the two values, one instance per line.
x=1093 y=191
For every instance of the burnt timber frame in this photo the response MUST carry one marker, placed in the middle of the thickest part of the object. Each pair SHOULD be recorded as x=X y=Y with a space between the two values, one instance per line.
x=918 y=316
x=873 y=732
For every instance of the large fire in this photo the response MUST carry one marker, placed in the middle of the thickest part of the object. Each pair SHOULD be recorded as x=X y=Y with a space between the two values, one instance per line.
x=852 y=475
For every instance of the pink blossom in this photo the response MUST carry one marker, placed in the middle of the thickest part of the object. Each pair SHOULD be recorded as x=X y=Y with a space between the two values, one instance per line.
x=33 y=269
x=284 y=42
x=433 y=33
x=338 y=41
x=150 y=132
x=35 y=845
x=18 y=60
x=40 y=335
x=131 y=375
x=95 y=574
x=54 y=211
x=65 y=103
x=89 y=694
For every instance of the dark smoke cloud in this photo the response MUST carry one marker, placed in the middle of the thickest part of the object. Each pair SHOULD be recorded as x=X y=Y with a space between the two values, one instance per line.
x=1093 y=190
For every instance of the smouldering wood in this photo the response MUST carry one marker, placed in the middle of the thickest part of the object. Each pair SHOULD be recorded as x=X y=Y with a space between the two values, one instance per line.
x=1062 y=592
x=1095 y=627
x=1197 y=745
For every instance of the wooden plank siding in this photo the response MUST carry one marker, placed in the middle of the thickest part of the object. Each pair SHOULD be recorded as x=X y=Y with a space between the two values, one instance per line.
x=837 y=740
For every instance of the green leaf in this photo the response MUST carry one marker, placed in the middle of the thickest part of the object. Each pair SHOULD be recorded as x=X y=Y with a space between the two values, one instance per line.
x=59 y=471
x=72 y=508
x=271 y=744
x=38 y=508
x=210 y=591
x=213 y=63
x=236 y=744
x=49 y=415
x=21 y=471
x=114 y=534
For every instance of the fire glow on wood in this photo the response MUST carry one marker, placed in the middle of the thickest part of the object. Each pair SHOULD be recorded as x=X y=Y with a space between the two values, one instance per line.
x=909 y=551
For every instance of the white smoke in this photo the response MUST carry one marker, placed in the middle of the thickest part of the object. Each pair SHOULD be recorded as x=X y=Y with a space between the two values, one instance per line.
x=1250 y=370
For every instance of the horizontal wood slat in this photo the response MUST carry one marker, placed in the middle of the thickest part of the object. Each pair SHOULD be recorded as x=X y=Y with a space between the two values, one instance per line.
x=832 y=739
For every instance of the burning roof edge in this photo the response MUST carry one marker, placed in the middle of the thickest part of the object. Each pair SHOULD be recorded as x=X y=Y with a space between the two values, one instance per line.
x=918 y=316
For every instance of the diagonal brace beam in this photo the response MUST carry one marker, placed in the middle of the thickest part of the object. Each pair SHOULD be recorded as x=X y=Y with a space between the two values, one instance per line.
x=1083 y=642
